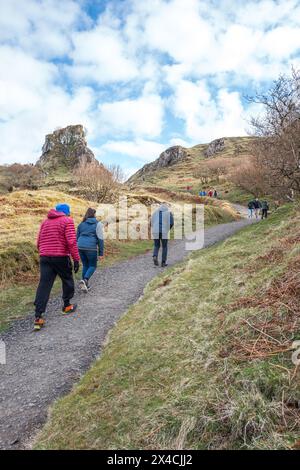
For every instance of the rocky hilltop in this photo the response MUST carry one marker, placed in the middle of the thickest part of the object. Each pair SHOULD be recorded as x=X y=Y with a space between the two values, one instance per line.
x=65 y=149
x=183 y=163
x=214 y=147
x=167 y=158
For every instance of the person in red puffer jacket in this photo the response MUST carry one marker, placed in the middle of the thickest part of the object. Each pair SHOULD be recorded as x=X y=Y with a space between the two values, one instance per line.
x=56 y=243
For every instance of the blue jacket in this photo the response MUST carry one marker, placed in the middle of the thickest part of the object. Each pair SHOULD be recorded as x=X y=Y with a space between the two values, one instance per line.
x=90 y=236
x=161 y=222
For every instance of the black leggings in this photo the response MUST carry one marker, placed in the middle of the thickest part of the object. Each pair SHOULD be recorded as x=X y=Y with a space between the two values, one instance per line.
x=50 y=267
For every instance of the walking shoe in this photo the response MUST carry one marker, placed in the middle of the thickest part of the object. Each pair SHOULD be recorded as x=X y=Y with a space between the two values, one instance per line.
x=155 y=260
x=38 y=324
x=164 y=264
x=83 y=285
x=69 y=309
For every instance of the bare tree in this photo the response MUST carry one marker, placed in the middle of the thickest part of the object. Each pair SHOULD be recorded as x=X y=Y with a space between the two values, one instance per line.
x=278 y=150
x=26 y=176
x=249 y=176
x=96 y=182
x=117 y=173
x=203 y=175
x=214 y=169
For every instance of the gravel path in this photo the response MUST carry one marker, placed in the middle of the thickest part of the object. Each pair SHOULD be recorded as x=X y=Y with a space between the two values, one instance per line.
x=44 y=366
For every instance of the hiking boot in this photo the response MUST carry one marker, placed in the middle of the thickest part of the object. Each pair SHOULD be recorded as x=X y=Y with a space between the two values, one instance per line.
x=38 y=324
x=164 y=264
x=69 y=309
x=155 y=260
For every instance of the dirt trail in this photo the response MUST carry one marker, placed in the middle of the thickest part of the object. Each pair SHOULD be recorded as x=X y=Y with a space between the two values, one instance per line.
x=44 y=366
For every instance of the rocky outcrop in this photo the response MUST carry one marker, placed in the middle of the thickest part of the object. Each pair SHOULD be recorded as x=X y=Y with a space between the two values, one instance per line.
x=167 y=158
x=214 y=147
x=65 y=148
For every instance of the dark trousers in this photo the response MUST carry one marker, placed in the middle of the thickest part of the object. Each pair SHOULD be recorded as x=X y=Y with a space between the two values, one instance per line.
x=264 y=213
x=164 y=243
x=89 y=260
x=50 y=267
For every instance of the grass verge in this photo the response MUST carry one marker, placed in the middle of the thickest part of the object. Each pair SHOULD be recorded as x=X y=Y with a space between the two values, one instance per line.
x=203 y=361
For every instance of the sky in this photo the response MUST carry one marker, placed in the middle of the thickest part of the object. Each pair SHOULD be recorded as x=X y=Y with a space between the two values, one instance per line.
x=139 y=75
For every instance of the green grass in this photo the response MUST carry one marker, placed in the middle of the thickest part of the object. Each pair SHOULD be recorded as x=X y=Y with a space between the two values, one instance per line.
x=170 y=376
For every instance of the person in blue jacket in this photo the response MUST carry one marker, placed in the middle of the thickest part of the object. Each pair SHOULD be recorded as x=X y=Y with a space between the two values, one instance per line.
x=91 y=245
x=162 y=221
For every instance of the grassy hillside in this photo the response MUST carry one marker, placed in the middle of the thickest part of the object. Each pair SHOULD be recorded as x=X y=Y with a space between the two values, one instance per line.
x=187 y=172
x=203 y=361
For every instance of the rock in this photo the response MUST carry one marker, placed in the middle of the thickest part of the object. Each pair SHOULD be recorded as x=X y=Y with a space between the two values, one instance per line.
x=214 y=147
x=65 y=148
x=167 y=158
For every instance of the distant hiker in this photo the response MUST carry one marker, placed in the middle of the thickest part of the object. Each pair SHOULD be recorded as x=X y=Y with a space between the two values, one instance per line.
x=162 y=221
x=90 y=245
x=56 y=242
x=264 y=209
x=215 y=193
x=250 y=209
x=210 y=193
x=257 y=207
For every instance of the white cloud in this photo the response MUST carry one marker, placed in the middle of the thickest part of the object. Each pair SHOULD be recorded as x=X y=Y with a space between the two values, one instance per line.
x=22 y=136
x=31 y=105
x=177 y=28
x=129 y=73
x=252 y=40
x=40 y=27
x=207 y=117
x=281 y=42
x=100 y=55
x=140 y=149
x=141 y=117
x=265 y=13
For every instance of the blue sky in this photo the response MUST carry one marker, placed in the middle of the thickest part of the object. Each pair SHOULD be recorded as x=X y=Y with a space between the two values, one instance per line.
x=139 y=75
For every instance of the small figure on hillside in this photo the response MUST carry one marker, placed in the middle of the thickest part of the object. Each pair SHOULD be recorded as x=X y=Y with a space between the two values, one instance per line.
x=210 y=193
x=215 y=193
x=264 y=209
x=250 y=209
x=162 y=221
x=91 y=245
x=56 y=243
x=257 y=207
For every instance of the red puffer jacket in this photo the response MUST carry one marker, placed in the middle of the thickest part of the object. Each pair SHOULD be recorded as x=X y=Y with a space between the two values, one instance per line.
x=57 y=236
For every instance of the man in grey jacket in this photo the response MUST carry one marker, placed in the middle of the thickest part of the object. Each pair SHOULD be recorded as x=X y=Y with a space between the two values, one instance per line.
x=162 y=221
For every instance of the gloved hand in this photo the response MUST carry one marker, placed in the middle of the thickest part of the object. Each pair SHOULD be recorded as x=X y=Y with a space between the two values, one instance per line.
x=76 y=266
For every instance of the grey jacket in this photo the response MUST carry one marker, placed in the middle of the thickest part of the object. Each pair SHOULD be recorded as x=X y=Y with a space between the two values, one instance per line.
x=162 y=221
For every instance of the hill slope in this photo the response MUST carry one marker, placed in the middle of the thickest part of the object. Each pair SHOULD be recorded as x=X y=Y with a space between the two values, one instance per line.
x=203 y=361
x=198 y=167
